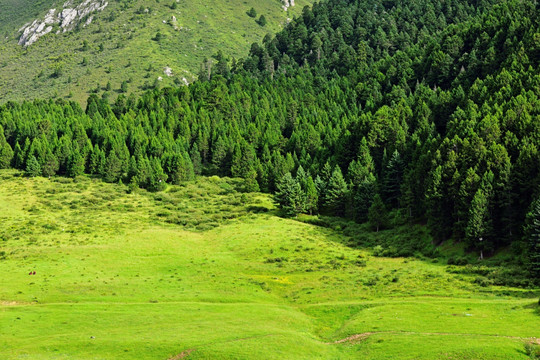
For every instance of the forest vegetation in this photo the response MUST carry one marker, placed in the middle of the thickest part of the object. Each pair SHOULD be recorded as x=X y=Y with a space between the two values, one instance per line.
x=428 y=110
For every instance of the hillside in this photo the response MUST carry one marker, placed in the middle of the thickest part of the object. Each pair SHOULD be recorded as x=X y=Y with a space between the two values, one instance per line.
x=115 y=278
x=122 y=44
x=430 y=128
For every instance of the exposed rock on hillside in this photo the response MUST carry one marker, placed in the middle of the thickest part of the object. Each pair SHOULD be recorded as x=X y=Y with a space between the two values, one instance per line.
x=287 y=4
x=67 y=18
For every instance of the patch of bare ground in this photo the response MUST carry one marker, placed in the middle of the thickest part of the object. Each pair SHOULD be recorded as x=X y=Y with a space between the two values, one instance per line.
x=12 y=303
x=356 y=338
x=184 y=354
x=353 y=339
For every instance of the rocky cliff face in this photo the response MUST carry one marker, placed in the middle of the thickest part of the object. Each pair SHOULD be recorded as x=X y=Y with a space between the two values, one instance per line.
x=67 y=18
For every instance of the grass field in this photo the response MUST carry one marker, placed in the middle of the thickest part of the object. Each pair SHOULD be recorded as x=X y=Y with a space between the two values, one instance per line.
x=204 y=272
x=122 y=45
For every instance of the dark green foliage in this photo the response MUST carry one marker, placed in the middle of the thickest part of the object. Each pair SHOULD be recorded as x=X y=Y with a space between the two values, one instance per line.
x=51 y=166
x=32 y=167
x=289 y=196
x=252 y=13
x=377 y=213
x=532 y=239
x=312 y=196
x=75 y=165
x=261 y=21
x=393 y=177
x=6 y=153
x=158 y=37
x=336 y=193
x=124 y=87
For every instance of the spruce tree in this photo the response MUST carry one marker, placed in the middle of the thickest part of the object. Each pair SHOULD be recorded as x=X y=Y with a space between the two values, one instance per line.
x=312 y=196
x=33 y=168
x=289 y=196
x=6 y=153
x=363 y=197
x=392 y=179
x=50 y=166
x=18 y=157
x=76 y=164
x=336 y=193
x=377 y=213
x=532 y=239
x=478 y=224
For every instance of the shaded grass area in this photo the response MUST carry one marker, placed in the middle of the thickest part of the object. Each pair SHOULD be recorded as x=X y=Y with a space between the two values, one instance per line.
x=117 y=279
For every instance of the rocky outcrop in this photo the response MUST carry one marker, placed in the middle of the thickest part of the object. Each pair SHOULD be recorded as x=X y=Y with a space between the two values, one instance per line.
x=287 y=4
x=67 y=19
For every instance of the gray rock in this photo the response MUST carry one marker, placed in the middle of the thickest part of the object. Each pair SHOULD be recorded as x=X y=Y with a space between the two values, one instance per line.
x=68 y=17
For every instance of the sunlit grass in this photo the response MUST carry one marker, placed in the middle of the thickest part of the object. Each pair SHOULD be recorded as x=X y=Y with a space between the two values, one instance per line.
x=117 y=279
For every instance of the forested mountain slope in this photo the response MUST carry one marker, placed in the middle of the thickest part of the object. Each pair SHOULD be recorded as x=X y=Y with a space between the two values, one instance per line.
x=425 y=107
x=122 y=46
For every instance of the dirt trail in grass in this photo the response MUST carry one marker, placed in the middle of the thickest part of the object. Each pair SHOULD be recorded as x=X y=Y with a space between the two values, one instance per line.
x=184 y=354
x=363 y=336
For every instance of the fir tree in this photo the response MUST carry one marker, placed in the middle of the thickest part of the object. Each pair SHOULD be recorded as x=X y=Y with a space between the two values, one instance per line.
x=336 y=193
x=377 y=213
x=312 y=196
x=76 y=165
x=289 y=196
x=33 y=168
x=6 y=153
x=532 y=239
x=478 y=224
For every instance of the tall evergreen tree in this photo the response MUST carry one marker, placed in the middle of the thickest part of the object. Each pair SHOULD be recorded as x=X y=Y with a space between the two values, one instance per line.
x=377 y=214
x=336 y=193
x=6 y=152
x=33 y=168
x=76 y=164
x=289 y=196
x=532 y=239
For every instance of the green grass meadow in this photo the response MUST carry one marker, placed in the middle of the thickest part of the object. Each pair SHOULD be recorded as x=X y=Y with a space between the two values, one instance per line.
x=202 y=271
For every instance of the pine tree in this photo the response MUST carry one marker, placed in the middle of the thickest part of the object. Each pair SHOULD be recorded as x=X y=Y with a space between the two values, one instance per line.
x=157 y=178
x=75 y=165
x=312 y=196
x=336 y=193
x=392 y=179
x=363 y=197
x=6 y=153
x=33 y=168
x=532 y=239
x=289 y=196
x=18 y=157
x=50 y=166
x=478 y=224
x=195 y=157
x=377 y=213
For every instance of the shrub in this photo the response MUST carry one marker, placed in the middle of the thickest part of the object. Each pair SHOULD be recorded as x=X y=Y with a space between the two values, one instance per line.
x=252 y=13
x=261 y=21
x=460 y=260
x=532 y=350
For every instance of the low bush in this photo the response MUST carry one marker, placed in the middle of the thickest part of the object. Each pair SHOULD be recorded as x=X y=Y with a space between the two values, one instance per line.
x=532 y=350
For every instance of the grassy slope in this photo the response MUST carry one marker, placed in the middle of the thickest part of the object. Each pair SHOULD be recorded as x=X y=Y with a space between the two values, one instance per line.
x=116 y=280
x=129 y=53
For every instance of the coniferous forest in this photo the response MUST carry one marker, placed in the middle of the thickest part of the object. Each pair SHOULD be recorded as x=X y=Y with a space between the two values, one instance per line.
x=426 y=109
